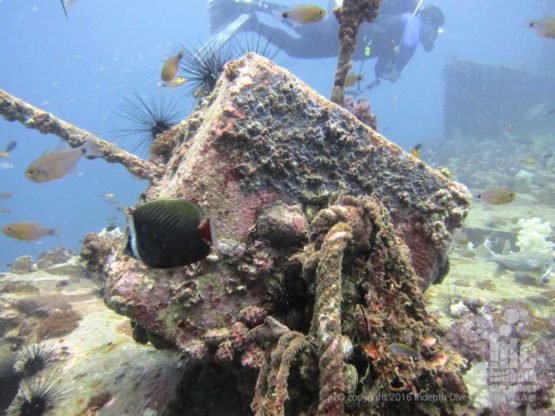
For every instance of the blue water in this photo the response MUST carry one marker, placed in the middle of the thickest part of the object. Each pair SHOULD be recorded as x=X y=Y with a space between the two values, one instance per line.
x=79 y=69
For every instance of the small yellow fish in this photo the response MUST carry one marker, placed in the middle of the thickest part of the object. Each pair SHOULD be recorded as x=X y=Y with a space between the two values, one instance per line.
x=4 y=154
x=544 y=27
x=171 y=66
x=304 y=13
x=174 y=83
x=352 y=78
x=109 y=195
x=497 y=196
x=416 y=150
x=54 y=165
x=5 y=195
x=26 y=231
x=529 y=160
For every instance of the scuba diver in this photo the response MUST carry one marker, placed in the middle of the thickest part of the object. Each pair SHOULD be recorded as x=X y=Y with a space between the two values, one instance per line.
x=392 y=38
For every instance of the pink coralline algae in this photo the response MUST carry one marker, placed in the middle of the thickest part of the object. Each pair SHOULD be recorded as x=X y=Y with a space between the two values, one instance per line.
x=252 y=316
x=361 y=110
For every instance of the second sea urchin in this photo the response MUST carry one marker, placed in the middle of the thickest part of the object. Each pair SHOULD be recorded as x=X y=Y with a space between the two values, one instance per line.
x=33 y=358
x=204 y=64
x=37 y=396
x=148 y=117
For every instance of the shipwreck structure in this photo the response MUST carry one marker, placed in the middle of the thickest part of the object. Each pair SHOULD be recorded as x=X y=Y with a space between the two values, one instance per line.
x=480 y=102
x=328 y=236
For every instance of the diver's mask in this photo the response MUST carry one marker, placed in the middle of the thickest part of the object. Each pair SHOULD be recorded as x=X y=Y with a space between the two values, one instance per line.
x=432 y=20
x=428 y=35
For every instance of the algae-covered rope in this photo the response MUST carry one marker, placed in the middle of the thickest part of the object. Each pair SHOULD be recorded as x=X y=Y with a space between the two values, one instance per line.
x=294 y=342
x=15 y=109
x=350 y=16
x=271 y=386
x=327 y=312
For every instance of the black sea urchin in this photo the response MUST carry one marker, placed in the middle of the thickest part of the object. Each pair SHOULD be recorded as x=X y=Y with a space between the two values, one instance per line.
x=37 y=396
x=33 y=358
x=290 y=301
x=203 y=65
x=254 y=42
x=148 y=117
x=99 y=289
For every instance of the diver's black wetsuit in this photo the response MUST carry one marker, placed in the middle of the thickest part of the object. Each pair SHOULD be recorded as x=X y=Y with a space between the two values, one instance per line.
x=392 y=38
x=320 y=40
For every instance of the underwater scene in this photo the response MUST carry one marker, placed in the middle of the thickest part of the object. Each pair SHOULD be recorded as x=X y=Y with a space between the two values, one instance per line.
x=282 y=207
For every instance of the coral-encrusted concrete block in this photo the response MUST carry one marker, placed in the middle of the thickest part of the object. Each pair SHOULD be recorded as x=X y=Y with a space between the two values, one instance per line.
x=264 y=137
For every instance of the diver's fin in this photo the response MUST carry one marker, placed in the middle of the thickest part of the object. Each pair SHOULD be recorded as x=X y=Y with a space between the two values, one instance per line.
x=223 y=12
x=218 y=40
x=218 y=14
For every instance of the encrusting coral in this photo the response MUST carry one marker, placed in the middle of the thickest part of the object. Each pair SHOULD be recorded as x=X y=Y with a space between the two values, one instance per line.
x=14 y=109
x=533 y=235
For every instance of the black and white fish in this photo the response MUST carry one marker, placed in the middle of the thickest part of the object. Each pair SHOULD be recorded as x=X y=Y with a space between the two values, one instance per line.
x=169 y=232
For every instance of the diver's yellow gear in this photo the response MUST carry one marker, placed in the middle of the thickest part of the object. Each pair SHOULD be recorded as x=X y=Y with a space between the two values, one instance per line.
x=368 y=47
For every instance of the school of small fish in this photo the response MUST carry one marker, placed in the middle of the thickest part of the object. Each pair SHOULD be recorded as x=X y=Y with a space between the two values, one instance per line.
x=48 y=167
